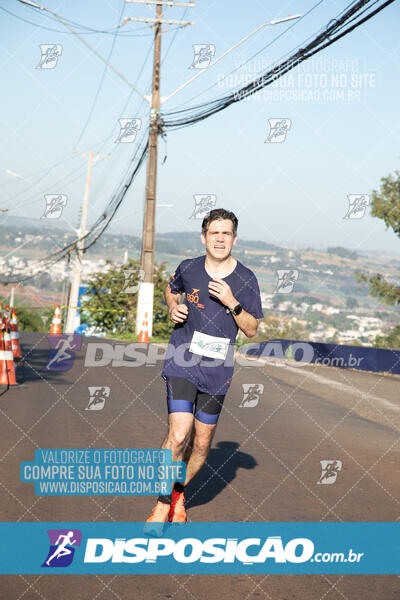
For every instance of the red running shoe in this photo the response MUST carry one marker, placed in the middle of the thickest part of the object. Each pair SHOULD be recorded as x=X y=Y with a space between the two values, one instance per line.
x=177 y=512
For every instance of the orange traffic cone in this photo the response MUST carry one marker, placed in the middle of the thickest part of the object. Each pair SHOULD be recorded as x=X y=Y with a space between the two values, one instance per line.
x=7 y=369
x=55 y=327
x=4 y=321
x=144 y=332
x=15 y=345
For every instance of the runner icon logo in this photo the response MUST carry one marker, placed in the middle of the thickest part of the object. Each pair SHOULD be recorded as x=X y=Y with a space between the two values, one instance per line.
x=251 y=394
x=50 y=55
x=286 y=280
x=55 y=204
x=358 y=204
x=203 y=54
x=62 y=351
x=98 y=395
x=278 y=129
x=330 y=470
x=203 y=203
x=128 y=130
x=62 y=550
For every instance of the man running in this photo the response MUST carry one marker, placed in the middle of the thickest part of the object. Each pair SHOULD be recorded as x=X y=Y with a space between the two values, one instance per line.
x=221 y=296
x=62 y=549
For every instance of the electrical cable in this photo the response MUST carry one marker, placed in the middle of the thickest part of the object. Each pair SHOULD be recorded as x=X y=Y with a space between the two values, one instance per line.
x=83 y=28
x=293 y=24
x=101 y=81
x=333 y=31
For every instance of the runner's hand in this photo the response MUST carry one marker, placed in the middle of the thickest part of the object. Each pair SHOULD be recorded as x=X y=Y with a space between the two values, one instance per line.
x=222 y=291
x=178 y=313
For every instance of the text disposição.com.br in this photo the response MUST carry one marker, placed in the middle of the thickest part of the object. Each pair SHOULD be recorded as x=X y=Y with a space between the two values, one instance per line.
x=213 y=550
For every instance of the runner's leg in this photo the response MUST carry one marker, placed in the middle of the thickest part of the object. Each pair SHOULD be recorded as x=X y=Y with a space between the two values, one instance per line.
x=181 y=395
x=179 y=433
x=208 y=409
x=201 y=447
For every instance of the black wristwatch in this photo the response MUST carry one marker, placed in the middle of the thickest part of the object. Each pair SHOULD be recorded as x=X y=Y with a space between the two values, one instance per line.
x=236 y=310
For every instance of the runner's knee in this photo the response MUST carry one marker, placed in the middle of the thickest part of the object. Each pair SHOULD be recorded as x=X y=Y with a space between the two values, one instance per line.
x=178 y=436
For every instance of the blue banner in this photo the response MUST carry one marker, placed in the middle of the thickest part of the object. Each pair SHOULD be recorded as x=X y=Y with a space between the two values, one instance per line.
x=200 y=548
x=362 y=358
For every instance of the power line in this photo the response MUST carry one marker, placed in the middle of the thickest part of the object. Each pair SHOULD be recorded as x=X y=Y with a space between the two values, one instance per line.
x=84 y=28
x=293 y=24
x=335 y=30
x=101 y=80
x=331 y=33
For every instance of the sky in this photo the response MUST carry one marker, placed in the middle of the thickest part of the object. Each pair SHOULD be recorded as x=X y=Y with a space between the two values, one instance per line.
x=340 y=109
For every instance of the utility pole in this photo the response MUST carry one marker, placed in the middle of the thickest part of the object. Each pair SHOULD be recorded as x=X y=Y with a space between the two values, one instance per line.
x=146 y=288
x=77 y=271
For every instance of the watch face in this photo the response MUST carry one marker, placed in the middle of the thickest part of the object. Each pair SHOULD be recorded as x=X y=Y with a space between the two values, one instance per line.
x=237 y=310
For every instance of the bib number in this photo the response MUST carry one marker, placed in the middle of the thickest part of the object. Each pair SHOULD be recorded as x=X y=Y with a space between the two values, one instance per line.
x=209 y=345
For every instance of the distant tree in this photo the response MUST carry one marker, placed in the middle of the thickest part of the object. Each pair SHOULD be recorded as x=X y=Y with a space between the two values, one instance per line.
x=111 y=309
x=385 y=205
x=31 y=320
x=351 y=302
x=392 y=340
x=274 y=328
x=276 y=299
x=343 y=252
x=28 y=320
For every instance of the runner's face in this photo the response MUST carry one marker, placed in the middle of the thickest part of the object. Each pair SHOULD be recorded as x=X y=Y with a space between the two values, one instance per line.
x=219 y=239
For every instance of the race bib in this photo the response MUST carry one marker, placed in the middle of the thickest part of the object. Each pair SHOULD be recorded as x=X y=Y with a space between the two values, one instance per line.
x=209 y=345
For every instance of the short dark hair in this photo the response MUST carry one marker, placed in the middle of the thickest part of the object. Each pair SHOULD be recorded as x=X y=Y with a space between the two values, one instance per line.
x=219 y=214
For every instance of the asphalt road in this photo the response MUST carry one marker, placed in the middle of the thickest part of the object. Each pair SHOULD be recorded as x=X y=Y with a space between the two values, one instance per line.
x=264 y=466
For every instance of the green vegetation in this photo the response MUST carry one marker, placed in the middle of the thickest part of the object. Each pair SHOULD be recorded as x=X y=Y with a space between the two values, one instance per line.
x=386 y=205
x=113 y=311
x=343 y=252
x=32 y=320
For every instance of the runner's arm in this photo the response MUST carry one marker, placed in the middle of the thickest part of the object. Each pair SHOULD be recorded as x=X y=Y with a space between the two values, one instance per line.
x=171 y=298
x=246 y=322
x=178 y=312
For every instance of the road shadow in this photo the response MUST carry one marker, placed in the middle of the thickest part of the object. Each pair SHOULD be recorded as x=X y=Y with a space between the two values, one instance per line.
x=35 y=351
x=220 y=470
